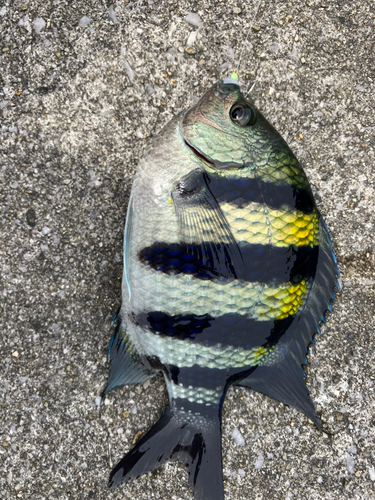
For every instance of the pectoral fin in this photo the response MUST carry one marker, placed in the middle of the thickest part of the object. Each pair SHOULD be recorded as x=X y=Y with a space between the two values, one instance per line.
x=202 y=225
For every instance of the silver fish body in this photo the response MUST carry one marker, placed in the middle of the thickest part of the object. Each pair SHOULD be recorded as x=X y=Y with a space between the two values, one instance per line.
x=228 y=270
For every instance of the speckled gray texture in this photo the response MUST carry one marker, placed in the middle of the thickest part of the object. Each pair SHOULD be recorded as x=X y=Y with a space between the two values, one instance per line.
x=82 y=87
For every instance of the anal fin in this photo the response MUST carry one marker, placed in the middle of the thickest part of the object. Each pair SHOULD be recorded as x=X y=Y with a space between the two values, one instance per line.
x=126 y=366
x=284 y=382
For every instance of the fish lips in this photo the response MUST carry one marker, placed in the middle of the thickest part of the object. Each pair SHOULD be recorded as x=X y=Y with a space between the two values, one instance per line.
x=214 y=164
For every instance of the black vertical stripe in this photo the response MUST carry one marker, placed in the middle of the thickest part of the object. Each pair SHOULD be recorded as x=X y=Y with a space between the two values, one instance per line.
x=261 y=263
x=239 y=191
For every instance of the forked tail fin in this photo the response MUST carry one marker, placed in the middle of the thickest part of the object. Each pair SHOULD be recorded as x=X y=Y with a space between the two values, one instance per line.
x=194 y=440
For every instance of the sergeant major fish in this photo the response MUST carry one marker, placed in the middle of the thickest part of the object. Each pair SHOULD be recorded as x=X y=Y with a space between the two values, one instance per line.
x=228 y=271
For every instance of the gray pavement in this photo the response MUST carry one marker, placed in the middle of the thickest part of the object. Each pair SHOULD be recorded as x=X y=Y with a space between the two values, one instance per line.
x=83 y=88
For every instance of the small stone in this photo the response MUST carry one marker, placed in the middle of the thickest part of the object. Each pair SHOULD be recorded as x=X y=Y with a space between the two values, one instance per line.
x=192 y=38
x=58 y=54
x=5 y=49
x=137 y=436
x=39 y=25
x=372 y=474
x=300 y=137
x=259 y=462
x=125 y=414
x=236 y=10
x=238 y=437
x=112 y=14
x=274 y=47
x=296 y=38
x=303 y=60
x=146 y=384
x=350 y=464
x=15 y=354
x=84 y=21
x=189 y=50
x=5 y=444
x=31 y=217
x=193 y=19
x=358 y=473
x=256 y=28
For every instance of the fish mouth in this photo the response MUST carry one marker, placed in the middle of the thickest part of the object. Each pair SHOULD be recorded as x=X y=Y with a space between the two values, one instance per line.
x=199 y=155
x=214 y=165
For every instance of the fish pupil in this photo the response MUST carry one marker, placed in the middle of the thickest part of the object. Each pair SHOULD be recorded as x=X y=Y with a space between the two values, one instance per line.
x=240 y=115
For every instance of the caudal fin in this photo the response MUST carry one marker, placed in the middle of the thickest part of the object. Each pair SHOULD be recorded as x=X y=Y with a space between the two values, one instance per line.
x=193 y=440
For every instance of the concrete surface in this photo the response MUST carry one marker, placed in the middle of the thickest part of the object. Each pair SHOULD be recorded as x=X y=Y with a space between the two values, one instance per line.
x=80 y=99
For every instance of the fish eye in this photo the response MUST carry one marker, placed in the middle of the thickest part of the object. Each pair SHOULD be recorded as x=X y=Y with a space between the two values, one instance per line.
x=241 y=114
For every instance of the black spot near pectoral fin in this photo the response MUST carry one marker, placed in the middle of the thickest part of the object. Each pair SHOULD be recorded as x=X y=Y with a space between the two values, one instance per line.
x=200 y=221
x=284 y=382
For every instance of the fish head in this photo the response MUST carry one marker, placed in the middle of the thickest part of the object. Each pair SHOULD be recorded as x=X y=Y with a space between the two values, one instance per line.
x=226 y=131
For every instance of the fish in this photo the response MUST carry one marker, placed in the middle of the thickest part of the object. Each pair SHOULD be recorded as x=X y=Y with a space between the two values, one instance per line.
x=228 y=273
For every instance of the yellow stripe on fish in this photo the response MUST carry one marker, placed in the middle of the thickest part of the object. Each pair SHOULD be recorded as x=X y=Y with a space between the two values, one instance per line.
x=256 y=223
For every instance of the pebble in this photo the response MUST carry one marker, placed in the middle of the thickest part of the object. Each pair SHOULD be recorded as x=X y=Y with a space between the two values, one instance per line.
x=260 y=461
x=84 y=21
x=238 y=437
x=350 y=464
x=112 y=15
x=372 y=474
x=137 y=436
x=274 y=47
x=128 y=69
x=194 y=20
x=256 y=28
x=192 y=38
x=236 y=10
x=189 y=50
x=39 y=25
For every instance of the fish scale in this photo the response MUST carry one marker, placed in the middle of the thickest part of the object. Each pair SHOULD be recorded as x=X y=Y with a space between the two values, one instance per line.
x=228 y=270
